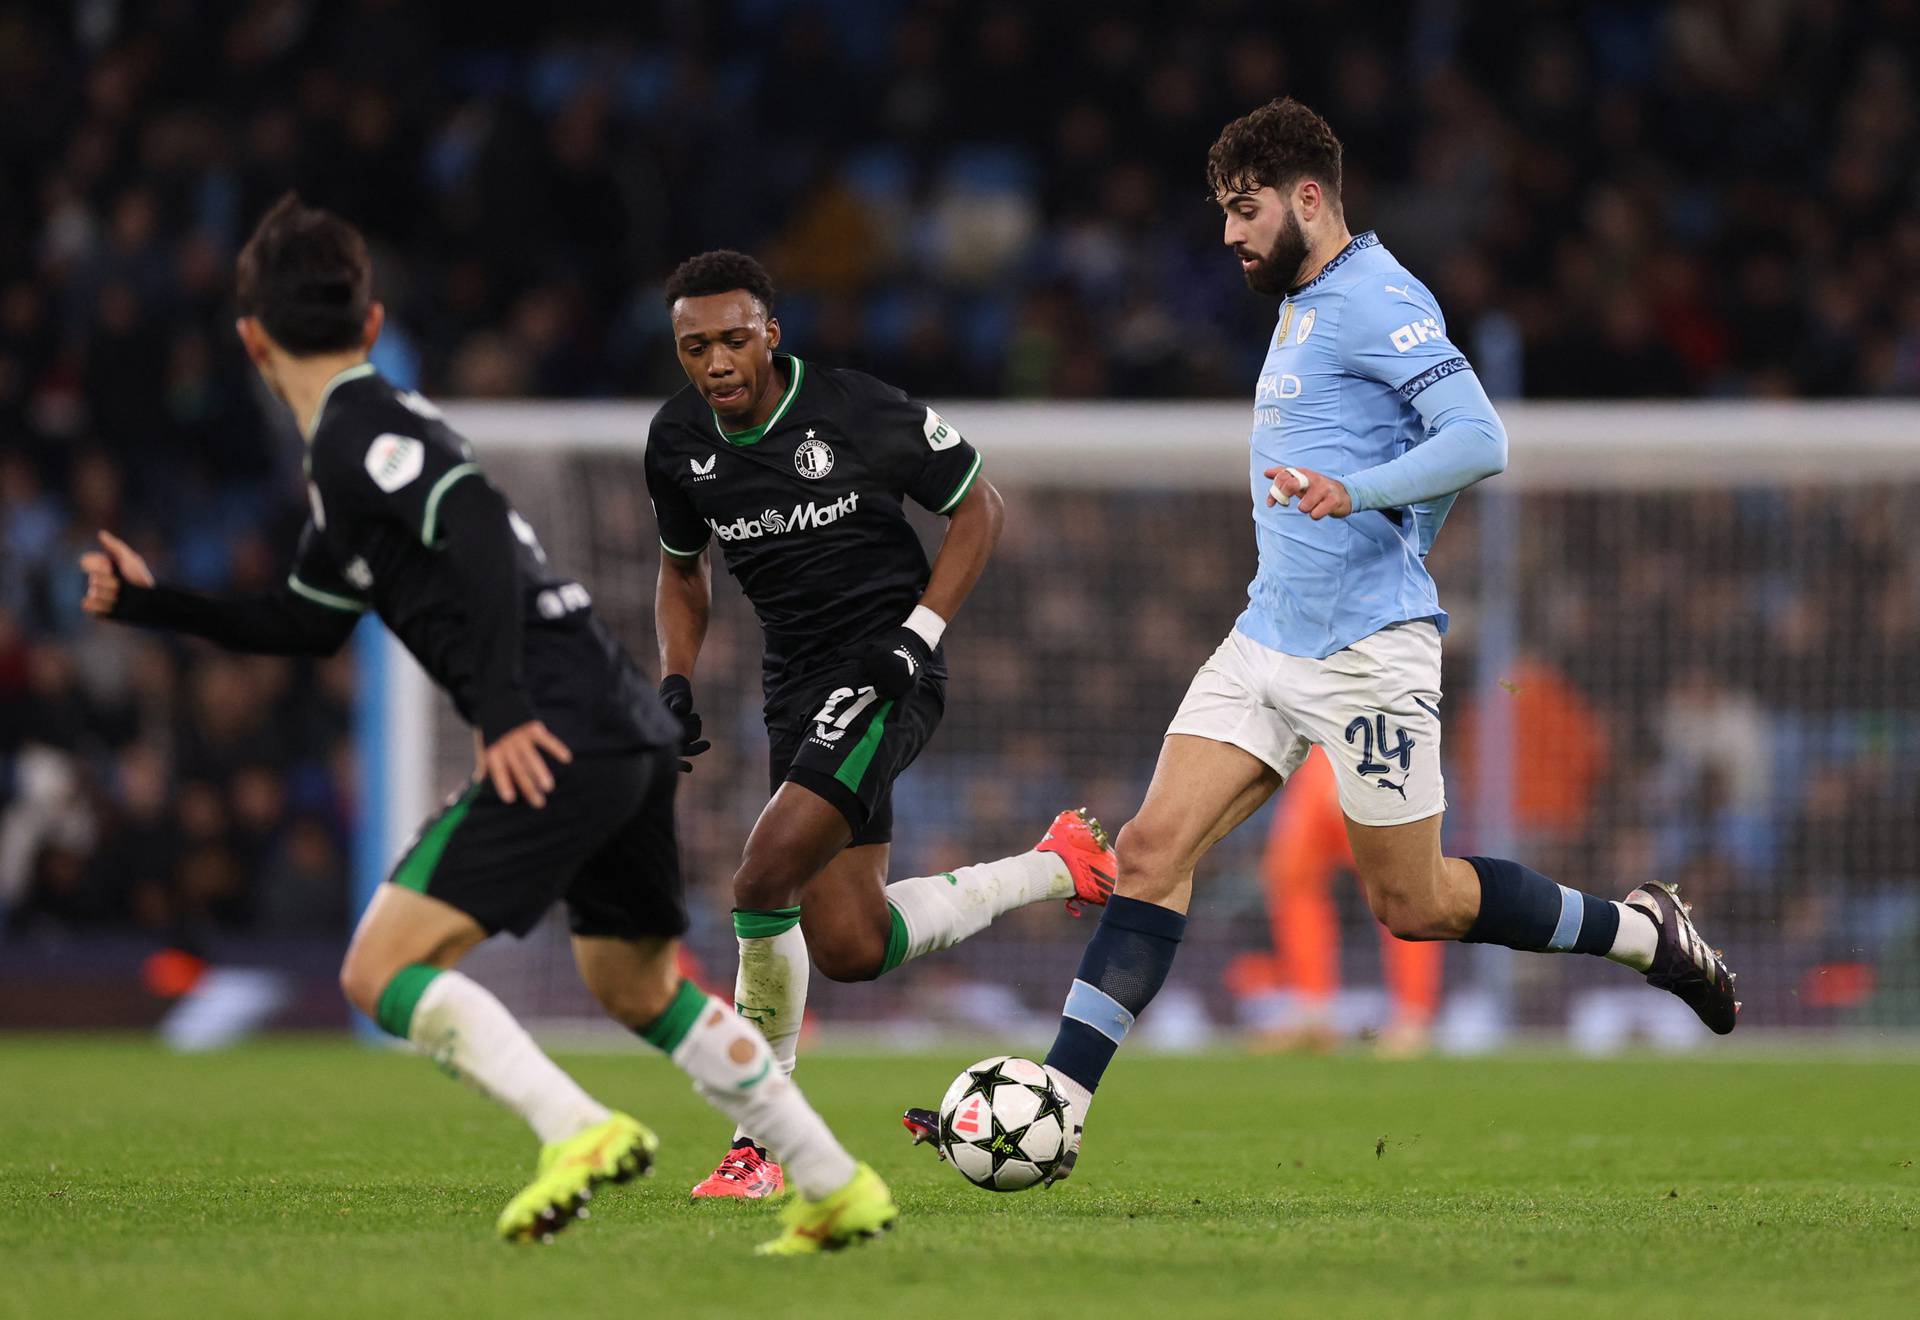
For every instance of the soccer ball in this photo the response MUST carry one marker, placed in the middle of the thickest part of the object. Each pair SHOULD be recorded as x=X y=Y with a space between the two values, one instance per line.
x=1003 y=1124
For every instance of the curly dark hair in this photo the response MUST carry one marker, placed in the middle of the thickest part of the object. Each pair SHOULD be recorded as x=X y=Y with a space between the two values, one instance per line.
x=1273 y=147
x=305 y=274
x=720 y=271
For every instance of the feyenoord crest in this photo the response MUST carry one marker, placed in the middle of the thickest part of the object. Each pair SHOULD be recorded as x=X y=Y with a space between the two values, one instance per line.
x=813 y=459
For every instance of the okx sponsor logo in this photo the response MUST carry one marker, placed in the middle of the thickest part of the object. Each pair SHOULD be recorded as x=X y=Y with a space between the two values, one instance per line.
x=800 y=518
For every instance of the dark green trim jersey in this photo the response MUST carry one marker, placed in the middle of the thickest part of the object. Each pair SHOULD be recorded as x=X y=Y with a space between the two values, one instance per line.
x=385 y=472
x=809 y=507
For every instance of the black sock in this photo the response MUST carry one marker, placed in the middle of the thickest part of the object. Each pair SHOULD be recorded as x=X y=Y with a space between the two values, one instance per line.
x=1522 y=909
x=1125 y=964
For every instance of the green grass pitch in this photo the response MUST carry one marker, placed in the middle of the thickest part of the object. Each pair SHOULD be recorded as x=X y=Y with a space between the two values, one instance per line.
x=323 y=1179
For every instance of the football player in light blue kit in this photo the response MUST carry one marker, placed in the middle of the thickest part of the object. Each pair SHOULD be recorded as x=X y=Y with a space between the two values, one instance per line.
x=1368 y=422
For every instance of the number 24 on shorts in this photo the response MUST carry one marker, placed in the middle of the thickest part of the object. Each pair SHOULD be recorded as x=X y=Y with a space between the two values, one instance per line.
x=1372 y=736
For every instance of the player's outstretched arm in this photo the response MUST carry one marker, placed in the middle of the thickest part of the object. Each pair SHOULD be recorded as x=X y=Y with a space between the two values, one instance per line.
x=121 y=587
x=894 y=662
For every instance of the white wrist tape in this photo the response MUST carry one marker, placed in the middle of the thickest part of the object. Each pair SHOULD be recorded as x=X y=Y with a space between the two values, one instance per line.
x=929 y=625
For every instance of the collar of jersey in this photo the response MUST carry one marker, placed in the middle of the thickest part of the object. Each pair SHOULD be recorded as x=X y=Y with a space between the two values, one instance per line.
x=1358 y=243
x=354 y=372
x=753 y=435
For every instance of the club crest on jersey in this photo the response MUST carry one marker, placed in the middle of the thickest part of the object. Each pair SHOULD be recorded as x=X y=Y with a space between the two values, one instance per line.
x=703 y=471
x=813 y=459
x=1306 y=327
x=395 y=460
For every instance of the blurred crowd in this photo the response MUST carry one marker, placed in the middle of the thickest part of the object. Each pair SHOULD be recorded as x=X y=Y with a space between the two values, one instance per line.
x=974 y=199
x=1704 y=197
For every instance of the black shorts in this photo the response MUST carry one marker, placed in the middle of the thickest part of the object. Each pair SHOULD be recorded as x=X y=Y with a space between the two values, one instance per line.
x=837 y=739
x=604 y=842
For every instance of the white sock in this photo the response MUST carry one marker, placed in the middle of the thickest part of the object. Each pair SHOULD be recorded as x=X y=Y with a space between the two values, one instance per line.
x=460 y=1026
x=1079 y=1099
x=770 y=990
x=938 y=911
x=733 y=1068
x=1637 y=940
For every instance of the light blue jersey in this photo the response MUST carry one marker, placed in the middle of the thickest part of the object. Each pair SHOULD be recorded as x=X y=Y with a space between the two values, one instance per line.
x=1362 y=384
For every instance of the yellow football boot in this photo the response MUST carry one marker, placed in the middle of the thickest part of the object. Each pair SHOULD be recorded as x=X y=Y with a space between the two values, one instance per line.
x=609 y=1152
x=861 y=1210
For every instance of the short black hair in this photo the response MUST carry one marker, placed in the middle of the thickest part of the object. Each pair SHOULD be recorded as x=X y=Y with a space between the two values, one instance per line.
x=1273 y=147
x=720 y=271
x=306 y=276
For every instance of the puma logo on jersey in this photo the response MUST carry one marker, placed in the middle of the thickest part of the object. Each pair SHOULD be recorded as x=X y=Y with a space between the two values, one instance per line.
x=703 y=471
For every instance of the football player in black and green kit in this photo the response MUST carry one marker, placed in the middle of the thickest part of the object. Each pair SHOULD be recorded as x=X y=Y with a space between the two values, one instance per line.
x=573 y=799
x=801 y=472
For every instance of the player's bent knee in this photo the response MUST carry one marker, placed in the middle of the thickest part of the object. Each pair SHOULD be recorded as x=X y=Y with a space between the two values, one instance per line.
x=1150 y=866
x=857 y=960
x=766 y=888
x=1412 y=916
x=1409 y=924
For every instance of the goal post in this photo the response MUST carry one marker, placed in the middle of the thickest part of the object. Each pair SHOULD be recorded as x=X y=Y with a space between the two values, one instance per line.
x=1681 y=627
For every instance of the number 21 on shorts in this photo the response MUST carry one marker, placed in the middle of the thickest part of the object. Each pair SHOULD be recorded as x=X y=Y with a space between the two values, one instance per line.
x=832 y=722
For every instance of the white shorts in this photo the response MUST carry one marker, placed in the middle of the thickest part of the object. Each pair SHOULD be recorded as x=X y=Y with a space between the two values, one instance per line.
x=1374 y=706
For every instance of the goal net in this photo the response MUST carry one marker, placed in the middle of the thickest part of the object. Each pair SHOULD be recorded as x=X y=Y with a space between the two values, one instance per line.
x=1685 y=645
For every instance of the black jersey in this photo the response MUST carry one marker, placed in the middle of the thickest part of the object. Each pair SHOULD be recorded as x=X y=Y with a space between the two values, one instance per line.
x=808 y=508
x=381 y=463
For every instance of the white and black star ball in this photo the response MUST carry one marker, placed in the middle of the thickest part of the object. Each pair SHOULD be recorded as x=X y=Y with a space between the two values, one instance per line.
x=1003 y=1124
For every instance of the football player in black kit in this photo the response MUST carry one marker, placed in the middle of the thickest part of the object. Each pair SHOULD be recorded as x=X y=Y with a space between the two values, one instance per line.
x=801 y=472
x=573 y=798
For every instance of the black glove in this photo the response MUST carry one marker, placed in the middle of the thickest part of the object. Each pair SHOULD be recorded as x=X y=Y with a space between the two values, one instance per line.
x=893 y=664
x=676 y=694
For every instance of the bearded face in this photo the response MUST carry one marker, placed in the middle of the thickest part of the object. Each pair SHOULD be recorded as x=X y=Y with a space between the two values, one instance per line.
x=1277 y=269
